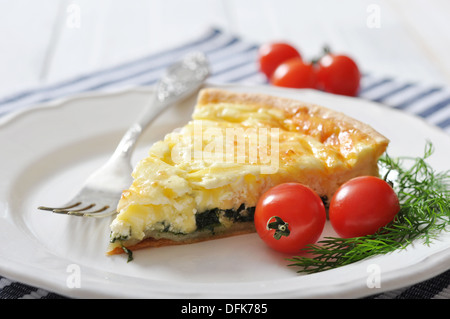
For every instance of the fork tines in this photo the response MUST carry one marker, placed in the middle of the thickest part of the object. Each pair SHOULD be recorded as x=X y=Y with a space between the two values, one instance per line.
x=83 y=211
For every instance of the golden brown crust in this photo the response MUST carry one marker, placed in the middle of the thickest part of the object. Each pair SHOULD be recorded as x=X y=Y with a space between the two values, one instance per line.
x=212 y=95
x=162 y=242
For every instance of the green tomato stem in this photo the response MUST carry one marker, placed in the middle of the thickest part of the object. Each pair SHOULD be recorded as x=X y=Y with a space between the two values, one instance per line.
x=280 y=226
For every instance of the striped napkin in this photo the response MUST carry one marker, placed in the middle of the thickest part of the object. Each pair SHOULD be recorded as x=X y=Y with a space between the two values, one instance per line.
x=233 y=60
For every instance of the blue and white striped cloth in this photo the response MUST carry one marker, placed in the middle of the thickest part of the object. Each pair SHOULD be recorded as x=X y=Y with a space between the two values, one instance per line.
x=233 y=60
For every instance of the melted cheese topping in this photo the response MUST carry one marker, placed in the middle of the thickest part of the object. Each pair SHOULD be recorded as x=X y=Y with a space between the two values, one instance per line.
x=230 y=154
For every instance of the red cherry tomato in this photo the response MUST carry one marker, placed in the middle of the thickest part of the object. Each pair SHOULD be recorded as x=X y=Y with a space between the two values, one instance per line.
x=338 y=74
x=290 y=216
x=362 y=206
x=271 y=55
x=294 y=73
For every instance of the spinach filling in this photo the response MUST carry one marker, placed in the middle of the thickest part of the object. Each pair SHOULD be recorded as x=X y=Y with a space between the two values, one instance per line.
x=208 y=220
x=211 y=218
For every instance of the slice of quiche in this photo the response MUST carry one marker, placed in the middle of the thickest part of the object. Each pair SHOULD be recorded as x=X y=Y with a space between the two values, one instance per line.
x=203 y=181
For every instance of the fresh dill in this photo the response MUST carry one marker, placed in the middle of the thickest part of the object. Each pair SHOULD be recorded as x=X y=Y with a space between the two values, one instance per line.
x=424 y=197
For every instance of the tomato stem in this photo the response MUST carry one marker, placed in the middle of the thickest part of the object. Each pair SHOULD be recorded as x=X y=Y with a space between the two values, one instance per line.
x=325 y=50
x=280 y=226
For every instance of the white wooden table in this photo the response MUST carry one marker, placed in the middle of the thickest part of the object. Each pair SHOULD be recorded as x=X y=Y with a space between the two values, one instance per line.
x=46 y=41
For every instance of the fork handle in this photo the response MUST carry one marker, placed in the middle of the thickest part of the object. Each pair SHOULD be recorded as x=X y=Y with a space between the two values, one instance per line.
x=181 y=80
x=127 y=143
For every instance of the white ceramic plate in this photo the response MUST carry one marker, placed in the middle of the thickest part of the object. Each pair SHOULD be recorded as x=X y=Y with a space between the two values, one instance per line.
x=48 y=151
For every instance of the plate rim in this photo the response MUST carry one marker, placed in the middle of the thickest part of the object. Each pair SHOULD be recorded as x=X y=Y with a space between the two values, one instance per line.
x=349 y=291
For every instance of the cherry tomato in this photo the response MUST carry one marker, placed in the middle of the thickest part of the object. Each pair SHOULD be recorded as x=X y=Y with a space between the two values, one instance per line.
x=271 y=55
x=294 y=73
x=362 y=206
x=338 y=74
x=290 y=216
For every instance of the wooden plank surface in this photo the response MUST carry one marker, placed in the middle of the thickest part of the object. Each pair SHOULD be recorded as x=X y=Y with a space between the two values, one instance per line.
x=47 y=41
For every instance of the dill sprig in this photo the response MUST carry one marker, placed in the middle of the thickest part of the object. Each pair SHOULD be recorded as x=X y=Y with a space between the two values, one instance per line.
x=424 y=197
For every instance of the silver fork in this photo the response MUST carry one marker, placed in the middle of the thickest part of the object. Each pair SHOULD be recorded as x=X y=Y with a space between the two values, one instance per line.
x=101 y=192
